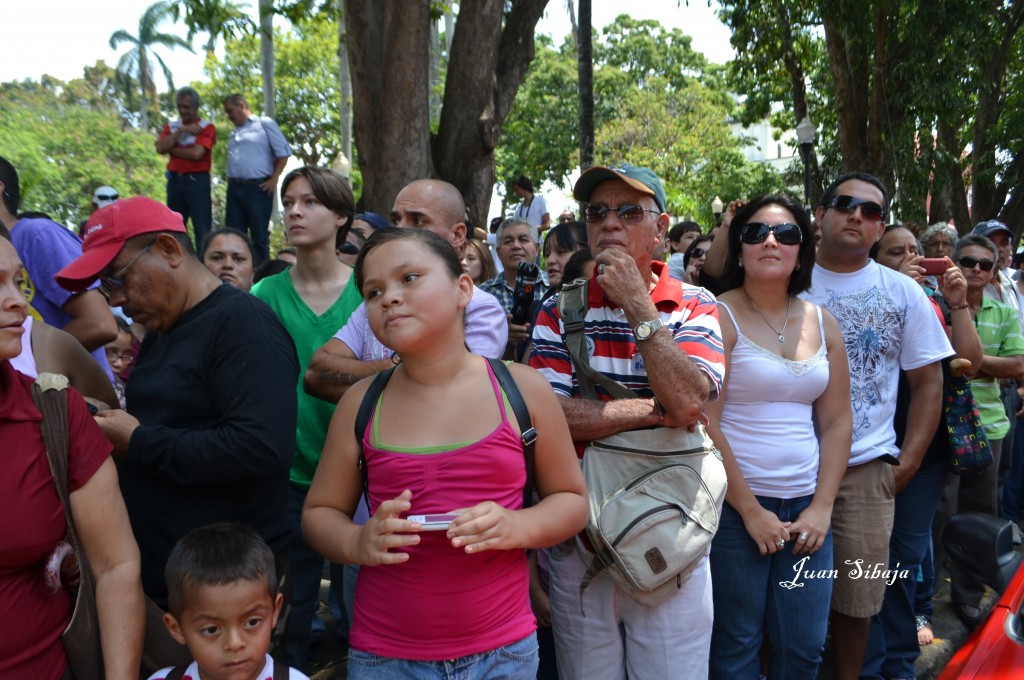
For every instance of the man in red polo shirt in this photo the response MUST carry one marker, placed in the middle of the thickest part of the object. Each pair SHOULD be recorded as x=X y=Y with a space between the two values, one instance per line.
x=188 y=143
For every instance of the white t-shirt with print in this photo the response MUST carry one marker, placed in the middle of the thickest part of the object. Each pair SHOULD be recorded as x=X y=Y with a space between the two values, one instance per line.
x=887 y=324
x=192 y=672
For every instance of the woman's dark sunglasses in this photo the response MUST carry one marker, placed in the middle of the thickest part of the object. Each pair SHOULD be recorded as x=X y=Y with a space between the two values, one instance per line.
x=869 y=209
x=787 y=233
x=971 y=263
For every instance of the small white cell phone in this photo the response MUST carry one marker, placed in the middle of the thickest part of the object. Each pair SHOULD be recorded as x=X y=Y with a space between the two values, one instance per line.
x=433 y=522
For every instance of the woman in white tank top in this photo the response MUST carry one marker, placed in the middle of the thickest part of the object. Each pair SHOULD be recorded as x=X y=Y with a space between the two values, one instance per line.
x=783 y=424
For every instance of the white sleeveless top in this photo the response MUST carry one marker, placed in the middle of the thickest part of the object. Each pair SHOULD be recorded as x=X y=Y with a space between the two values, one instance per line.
x=768 y=415
x=26 y=361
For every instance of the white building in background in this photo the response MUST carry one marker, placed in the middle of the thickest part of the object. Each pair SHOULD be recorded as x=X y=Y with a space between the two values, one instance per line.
x=761 y=146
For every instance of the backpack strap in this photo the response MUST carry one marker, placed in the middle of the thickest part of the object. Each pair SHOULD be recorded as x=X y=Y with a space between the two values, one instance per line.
x=572 y=306
x=363 y=420
x=529 y=433
x=178 y=672
x=281 y=670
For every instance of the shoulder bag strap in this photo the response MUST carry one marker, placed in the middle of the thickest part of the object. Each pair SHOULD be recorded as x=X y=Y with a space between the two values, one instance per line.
x=281 y=670
x=50 y=395
x=572 y=306
x=528 y=432
x=363 y=419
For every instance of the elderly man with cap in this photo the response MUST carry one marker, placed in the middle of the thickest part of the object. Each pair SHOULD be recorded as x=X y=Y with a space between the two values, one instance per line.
x=670 y=337
x=207 y=437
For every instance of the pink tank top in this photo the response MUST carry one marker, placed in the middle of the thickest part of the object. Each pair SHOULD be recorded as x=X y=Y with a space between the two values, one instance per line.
x=442 y=603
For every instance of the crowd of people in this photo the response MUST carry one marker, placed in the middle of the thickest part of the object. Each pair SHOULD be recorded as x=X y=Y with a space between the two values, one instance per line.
x=237 y=422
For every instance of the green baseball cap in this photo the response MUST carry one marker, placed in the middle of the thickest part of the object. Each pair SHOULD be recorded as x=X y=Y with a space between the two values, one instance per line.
x=641 y=179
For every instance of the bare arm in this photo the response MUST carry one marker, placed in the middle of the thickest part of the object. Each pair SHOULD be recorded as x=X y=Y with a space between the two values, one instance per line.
x=922 y=419
x=91 y=322
x=192 y=153
x=106 y=534
x=678 y=383
x=58 y=352
x=1011 y=368
x=590 y=419
x=963 y=336
x=714 y=260
x=834 y=419
x=334 y=368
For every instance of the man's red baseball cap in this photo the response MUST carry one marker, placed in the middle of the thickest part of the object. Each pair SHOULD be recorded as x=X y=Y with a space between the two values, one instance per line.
x=106 y=233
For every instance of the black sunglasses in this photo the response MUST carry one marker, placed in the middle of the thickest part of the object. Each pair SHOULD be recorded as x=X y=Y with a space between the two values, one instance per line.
x=787 y=233
x=627 y=212
x=109 y=197
x=971 y=263
x=869 y=209
x=349 y=248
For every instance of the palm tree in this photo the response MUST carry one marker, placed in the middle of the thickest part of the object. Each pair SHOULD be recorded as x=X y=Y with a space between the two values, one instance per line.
x=137 y=62
x=218 y=18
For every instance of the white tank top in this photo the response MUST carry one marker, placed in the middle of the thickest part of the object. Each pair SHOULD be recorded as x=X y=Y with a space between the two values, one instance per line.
x=768 y=415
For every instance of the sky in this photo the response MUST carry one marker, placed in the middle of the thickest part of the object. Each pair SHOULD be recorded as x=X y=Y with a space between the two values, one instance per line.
x=60 y=37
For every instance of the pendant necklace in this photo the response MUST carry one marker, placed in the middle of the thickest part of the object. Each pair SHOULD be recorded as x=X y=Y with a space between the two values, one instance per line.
x=782 y=338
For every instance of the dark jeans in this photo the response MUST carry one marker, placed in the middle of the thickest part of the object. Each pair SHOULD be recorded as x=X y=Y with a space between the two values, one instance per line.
x=1008 y=395
x=189 y=194
x=1013 y=487
x=977 y=494
x=892 y=645
x=306 y=567
x=248 y=210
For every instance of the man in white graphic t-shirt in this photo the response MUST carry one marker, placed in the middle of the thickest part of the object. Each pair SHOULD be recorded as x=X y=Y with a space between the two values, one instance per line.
x=888 y=325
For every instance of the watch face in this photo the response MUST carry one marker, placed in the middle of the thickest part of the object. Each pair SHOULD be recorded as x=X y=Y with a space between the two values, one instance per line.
x=643 y=331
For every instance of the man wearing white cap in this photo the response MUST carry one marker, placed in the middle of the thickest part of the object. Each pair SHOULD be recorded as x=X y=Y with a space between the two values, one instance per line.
x=103 y=197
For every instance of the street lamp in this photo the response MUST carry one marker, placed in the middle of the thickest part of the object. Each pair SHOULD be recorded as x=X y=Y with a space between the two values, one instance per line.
x=716 y=208
x=805 y=132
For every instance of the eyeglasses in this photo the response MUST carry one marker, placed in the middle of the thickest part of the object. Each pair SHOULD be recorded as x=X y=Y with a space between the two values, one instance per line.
x=348 y=249
x=698 y=252
x=126 y=357
x=787 y=233
x=971 y=263
x=108 y=197
x=869 y=209
x=627 y=212
x=113 y=283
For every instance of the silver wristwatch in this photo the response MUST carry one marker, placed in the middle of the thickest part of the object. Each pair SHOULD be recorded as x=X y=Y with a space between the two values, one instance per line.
x=646 y=329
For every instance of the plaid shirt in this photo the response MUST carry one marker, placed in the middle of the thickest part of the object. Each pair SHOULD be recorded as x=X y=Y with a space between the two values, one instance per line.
x=507 y=296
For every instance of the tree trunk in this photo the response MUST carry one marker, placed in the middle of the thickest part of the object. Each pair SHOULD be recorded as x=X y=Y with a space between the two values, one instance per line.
x=984 y=204
x=144 y=83
x=388 y=45
x=267 y=55
x=435 y=74
x=585 y=74
x=344 y=84
x=480 y=87
x=949 y=165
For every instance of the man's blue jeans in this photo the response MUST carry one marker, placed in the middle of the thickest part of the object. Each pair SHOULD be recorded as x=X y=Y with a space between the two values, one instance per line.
x=892 y=645
x=189 y=194
x=248 y=210
x=774 y=596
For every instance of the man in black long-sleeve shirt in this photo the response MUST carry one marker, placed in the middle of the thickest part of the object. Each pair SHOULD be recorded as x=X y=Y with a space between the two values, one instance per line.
x=210 y=429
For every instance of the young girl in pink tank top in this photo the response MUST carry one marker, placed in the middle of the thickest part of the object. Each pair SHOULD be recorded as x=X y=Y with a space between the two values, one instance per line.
x=442 y=439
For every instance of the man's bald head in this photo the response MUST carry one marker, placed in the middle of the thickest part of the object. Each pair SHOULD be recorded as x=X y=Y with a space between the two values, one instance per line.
x=435 y=205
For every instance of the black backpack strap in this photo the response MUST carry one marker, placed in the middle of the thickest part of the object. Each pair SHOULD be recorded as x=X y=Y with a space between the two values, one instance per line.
x=281 y=670
x=363 y=419
x=529 y=433
x=177 y=673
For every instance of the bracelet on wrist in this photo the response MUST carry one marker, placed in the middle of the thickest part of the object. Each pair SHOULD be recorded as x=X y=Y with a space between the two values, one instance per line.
x=661 y=412
x=963 y=306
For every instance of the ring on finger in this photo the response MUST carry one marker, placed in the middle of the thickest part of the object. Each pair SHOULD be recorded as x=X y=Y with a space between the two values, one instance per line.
x=600 y=269
x=780 y=544
x=804 y=535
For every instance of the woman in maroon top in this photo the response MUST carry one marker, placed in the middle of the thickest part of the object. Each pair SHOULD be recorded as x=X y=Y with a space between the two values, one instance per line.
x=32 y=617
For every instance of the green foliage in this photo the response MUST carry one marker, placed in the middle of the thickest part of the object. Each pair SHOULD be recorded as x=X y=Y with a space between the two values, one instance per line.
x=306 y=83
x=67 y=139
x=657 y=103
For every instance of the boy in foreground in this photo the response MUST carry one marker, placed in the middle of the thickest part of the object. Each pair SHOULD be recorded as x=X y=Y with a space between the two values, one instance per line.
x=224 y=604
